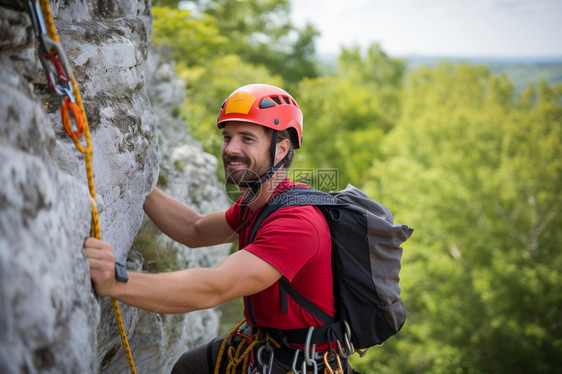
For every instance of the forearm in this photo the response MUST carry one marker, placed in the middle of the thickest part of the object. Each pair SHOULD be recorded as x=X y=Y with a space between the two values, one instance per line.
x=239 y=274
x=184 y=224
x=172 y=217
x=175 y=292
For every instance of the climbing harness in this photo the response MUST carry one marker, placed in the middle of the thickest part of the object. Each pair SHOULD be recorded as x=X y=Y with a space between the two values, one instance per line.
x=239 y=351
x=253 y=350
x=62 y=83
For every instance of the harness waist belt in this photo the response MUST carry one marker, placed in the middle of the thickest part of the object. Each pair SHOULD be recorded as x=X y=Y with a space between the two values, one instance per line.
x=321 y=334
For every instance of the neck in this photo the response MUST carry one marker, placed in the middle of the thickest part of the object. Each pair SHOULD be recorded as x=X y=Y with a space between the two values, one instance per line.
x=266 y=190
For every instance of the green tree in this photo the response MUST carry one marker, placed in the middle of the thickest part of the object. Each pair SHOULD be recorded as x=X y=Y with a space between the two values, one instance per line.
x=261 y=33
x=476 y=168
x=186 y=39
x=347 y=115
x=207 y=86
x=166 y=3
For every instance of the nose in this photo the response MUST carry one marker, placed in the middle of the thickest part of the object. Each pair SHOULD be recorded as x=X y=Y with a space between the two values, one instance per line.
x=231 y=147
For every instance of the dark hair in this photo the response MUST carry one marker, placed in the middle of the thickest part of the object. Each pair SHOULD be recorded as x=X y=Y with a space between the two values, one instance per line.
x=282 y=135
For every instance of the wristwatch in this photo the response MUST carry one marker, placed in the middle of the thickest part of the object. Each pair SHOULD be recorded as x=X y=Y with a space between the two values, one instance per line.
x=121 y=272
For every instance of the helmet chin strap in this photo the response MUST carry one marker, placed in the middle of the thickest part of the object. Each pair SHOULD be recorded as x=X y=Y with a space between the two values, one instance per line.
x=255 y=186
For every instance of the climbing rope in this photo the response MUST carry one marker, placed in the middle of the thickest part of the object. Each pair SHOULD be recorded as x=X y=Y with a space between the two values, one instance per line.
x=241 y=358
x=62 y=83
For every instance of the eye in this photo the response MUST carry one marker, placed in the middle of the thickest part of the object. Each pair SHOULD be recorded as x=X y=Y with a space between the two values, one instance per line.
x=247 y=139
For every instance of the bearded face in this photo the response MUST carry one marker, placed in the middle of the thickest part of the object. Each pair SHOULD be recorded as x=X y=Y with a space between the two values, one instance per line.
x=245 y=153
x=241 y=171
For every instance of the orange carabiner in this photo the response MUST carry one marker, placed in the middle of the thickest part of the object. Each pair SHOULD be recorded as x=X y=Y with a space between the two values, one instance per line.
x=328 y=367
x=67 y=107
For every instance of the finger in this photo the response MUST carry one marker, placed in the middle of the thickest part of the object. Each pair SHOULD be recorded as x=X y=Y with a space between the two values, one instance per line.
x=101 y=264
x=95 y=243
x=100 y=274
x=100 y=254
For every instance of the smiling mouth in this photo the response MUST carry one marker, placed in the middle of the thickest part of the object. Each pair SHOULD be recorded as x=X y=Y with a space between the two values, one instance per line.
x=235 y=161
x=236 y=164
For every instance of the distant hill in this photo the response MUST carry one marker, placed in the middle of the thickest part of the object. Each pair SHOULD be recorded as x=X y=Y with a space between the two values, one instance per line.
x=521 y=71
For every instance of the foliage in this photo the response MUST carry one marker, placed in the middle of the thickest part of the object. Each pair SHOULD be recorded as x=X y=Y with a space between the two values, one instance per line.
x=476 y=168
x=165 y=3
x=455 y=151
x=347 y=115
x=187 y=39
x=259 y=32
x=157 y=257
x=208 y=86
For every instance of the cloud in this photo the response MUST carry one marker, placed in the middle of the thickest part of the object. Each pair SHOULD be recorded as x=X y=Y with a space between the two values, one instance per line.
x=461 y=27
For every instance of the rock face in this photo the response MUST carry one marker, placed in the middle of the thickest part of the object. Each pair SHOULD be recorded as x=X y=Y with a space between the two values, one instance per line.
x=50 y=321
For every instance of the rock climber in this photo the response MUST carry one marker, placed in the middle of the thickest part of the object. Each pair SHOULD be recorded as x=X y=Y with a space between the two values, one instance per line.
x=261 y=127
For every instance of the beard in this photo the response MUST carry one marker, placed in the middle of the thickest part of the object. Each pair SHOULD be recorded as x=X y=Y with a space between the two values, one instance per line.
x=243 y=177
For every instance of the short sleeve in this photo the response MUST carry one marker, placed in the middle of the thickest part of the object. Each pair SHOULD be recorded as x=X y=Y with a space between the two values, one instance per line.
x=288 y=239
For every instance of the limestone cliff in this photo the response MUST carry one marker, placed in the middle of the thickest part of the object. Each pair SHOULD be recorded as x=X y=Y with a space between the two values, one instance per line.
x=50 y=321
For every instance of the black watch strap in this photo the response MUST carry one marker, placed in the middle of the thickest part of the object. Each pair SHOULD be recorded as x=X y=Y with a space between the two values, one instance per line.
x=121 y=272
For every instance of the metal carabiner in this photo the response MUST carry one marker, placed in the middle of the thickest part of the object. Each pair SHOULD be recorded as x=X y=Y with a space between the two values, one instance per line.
x=250 y=369
x=347 y=336
x=37 y=20
x=54 y=56
x=341 y=350
x=266 y=368
x=327 y=365
x=60 y=69
x=307 y=353
x=295 y=359
x=313 y=364
x=51 y=54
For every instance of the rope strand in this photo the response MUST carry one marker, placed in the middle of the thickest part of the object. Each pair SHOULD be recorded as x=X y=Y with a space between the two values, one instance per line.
x=82 y=126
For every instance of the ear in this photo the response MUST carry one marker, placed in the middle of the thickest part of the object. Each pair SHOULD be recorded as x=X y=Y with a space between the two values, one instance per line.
x=281 y=149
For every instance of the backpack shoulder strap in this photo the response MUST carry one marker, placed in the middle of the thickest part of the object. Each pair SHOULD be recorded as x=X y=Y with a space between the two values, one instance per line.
x=285 y=288
x=295 y=196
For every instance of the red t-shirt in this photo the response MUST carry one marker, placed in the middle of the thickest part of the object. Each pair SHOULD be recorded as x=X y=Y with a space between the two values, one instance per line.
x=297 y=242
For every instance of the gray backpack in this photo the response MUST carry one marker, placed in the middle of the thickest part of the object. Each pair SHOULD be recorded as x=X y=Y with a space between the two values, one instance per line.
x=366 y=256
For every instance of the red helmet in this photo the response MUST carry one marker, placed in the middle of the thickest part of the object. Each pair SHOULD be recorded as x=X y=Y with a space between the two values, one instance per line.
x=264 y=105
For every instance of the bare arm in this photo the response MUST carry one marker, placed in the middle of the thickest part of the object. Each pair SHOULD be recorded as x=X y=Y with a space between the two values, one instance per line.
x=240 y=274
x=185 y=225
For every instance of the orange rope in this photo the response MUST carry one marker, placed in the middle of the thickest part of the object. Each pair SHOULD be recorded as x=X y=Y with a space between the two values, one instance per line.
x=77 y=110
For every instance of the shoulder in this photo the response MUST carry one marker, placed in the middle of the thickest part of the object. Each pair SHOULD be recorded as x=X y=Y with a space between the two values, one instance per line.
x=301 y=220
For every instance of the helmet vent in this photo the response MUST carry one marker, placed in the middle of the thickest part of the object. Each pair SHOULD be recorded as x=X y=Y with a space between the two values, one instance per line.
x=276 y=99
x=266 y=103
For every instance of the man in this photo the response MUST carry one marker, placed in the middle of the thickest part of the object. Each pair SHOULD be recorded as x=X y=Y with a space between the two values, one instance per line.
x=261 y=126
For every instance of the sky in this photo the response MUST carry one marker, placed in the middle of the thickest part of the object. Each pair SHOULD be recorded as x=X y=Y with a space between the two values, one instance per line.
x=452 y=28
